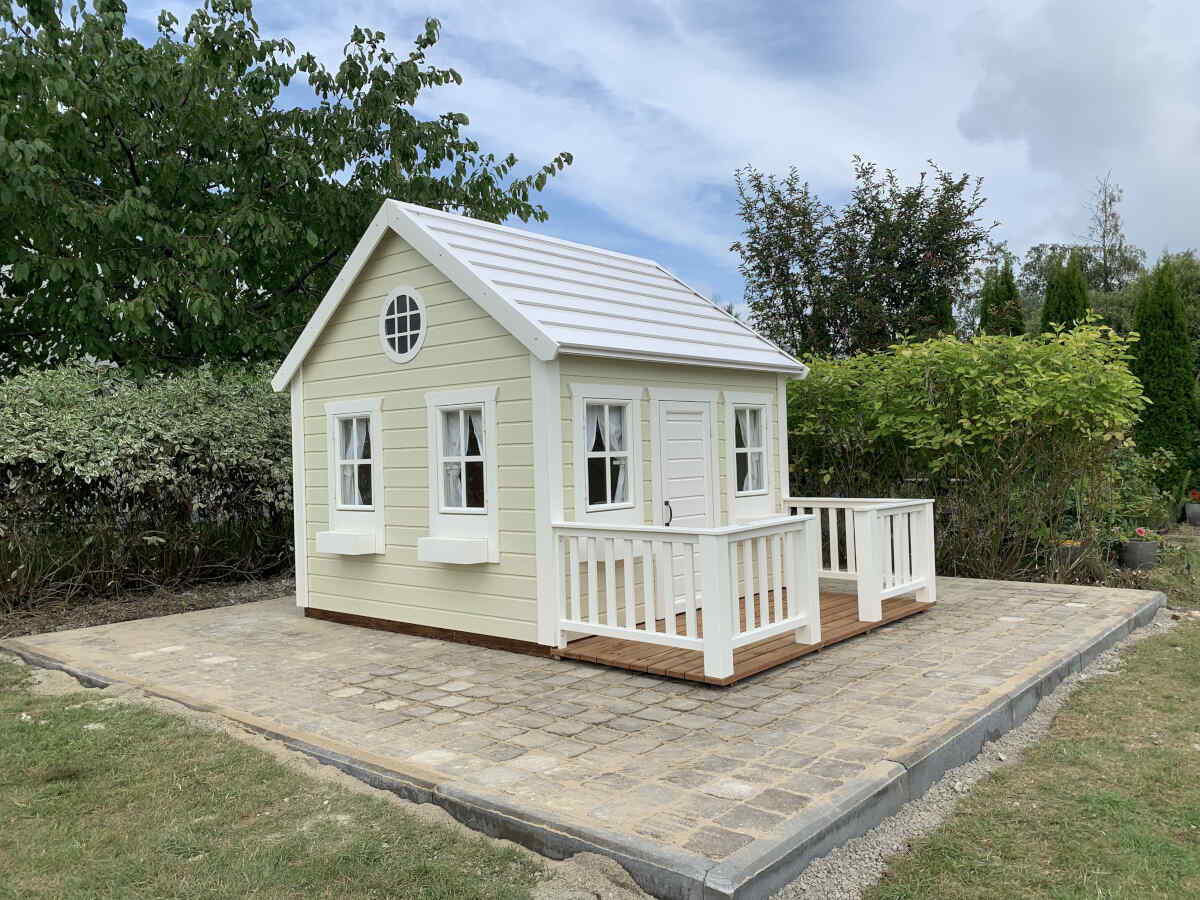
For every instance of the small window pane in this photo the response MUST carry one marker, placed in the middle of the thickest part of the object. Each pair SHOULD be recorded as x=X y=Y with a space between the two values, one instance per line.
x=389 y=326
x=739 y=429
x=400 y=343
x=754 y=427
x=414 y=322
x=743 y=471
x=475 y=485
x=364 y=484
x=474 y=419
x=452 y=484
x=346 y=493
x=346 y=442
x=363 y=436
x=756 y=482
x=617 y=480
x=597 y=488
x=616 y=428
x=596 y=442
x=452 y=432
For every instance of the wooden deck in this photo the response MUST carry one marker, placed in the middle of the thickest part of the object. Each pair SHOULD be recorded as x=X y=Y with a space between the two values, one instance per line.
x=839 y=621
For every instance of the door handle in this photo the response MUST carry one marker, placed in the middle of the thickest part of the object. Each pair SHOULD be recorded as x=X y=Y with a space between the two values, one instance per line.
x=670 y=513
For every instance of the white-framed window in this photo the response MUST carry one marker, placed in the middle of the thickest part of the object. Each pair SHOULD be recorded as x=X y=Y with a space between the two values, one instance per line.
x=355 y=462
x=462 y=459
x=463 y=476
x=402 y=324
x=355 y=450
x=749 y=449
x=606 y=446
x=607 y=460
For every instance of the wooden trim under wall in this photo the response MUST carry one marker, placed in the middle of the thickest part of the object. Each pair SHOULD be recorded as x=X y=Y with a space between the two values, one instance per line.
x=529 y=648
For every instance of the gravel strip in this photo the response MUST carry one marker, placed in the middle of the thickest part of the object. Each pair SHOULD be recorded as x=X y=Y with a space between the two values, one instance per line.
x=857 y=865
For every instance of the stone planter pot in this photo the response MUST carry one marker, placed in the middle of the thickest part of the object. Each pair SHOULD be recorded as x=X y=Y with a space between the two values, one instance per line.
x=1139 y=554
x=1192 y=512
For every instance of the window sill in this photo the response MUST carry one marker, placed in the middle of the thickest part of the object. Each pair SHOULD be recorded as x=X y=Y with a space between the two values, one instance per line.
x=346 y=543
x=455 y=551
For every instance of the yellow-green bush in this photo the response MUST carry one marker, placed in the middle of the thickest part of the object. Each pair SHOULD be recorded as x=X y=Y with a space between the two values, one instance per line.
x=1010 y=435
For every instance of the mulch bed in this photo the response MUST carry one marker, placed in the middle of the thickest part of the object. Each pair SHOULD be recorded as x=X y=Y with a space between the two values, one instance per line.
x=60 y=616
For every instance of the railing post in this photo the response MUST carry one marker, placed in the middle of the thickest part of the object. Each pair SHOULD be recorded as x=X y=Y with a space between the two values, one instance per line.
x=560 y=588
x=870 y=565
x=718 y=601
x=923 y=539
x=808 y=582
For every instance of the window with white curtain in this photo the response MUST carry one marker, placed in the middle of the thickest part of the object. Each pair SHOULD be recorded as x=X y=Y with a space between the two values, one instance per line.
x=749 y=447
x=354 y=463
x=463 y=460
x=606 y=444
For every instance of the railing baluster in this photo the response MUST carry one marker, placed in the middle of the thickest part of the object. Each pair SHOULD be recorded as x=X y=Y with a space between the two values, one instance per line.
x=835 y=556
x=648 y=586
x=748 y=582
x=664 y=598
x=789 y=602
x=760 y=556
x=689 y=588
x=610 y=582
x=574 y=548
x=851 y=542
x=593 y=605
x=627 y=571
x=667 y=563
x=777 y=608
x=736 y=601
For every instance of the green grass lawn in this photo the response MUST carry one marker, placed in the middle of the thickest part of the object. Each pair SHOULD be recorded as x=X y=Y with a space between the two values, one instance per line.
x=143 y=804
x=1107 y=806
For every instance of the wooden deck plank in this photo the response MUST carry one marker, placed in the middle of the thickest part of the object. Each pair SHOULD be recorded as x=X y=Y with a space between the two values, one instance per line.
x=839 y=622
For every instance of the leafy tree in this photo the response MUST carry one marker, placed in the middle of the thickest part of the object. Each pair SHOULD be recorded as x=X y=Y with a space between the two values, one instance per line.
x=1163 y=361
x=166 y=204
x=1115 y=262
x=1066 y=294
x=893 y=262
x=1000 y=310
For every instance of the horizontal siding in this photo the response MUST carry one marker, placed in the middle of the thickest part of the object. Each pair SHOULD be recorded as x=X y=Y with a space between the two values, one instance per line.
x=595 y=370
x=464 y=347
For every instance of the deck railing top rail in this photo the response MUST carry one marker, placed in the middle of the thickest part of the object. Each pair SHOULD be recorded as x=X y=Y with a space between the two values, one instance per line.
x=878 y=503
x=739 y=528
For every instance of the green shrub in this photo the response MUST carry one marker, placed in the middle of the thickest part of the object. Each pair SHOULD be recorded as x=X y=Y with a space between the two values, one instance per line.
x=1007 y=434
x=107 y=483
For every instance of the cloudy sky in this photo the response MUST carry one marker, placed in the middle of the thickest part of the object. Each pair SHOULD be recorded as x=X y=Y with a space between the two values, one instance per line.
x=661 y=101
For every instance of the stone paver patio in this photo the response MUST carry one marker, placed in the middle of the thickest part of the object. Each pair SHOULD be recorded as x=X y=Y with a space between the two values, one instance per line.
x=714 y=773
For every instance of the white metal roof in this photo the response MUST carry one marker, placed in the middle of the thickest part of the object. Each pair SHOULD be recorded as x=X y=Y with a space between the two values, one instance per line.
x=556 y=296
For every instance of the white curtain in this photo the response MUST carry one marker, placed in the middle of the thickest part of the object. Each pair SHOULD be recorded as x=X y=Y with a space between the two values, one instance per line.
x=617 y=473
x=474 y=432
x=754 y=427
x=451 y=433
x=453 y=489
x=616 y=428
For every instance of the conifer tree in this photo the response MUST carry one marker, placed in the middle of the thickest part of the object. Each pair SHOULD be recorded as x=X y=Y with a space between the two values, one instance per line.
x=1066 y=294
x=1000 y=303
x=1163 y=363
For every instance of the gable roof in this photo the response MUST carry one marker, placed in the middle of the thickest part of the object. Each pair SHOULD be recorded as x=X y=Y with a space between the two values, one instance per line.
x=556 y=296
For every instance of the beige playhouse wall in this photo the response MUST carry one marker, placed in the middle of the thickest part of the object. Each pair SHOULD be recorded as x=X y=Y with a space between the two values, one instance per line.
x=599 y=370
x=464 y=347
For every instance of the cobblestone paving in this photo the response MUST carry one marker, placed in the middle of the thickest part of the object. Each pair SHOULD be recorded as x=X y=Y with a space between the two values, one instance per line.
x=704 y=768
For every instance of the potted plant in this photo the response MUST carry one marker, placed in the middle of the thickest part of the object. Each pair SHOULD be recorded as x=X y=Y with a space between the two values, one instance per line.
x=1191 y=508
x=1139 y=550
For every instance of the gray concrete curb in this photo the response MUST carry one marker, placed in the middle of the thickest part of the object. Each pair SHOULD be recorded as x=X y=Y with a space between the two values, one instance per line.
x=758 y=869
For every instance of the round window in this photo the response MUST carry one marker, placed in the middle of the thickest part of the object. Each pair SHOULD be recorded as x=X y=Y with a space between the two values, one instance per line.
x=402 y=325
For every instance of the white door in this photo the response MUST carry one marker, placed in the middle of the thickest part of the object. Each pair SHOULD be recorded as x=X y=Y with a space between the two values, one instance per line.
x=684 y=466
x=683 y=460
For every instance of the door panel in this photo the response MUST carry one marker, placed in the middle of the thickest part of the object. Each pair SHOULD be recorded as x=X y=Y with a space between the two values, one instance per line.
x=685 y=475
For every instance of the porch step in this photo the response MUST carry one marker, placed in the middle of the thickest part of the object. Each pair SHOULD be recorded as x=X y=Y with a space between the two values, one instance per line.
x=839 y=621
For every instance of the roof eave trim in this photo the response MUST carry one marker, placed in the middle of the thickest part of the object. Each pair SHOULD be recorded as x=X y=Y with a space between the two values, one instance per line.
x=332 y=300
x=795 y=369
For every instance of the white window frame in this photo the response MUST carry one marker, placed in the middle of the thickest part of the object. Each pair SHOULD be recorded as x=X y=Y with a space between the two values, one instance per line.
x=629 y=396
x=459 y=412
x=415 y=347
x=761 y=449
x=750 y=504
x=352 y=519
x=464 y=523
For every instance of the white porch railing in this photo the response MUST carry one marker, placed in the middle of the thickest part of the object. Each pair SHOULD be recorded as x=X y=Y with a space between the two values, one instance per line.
x=885 y=546
x=707 y=589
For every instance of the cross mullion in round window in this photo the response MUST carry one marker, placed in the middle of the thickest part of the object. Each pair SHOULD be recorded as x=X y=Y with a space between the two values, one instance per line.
x=607 y=441
x=402 y=325
x=463 y=460
x=354 y=462
x=749 y=452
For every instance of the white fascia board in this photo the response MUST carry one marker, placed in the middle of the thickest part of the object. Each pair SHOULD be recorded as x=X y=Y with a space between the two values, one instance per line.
x=405 y=224
x=333 y=298
x=793 y=369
